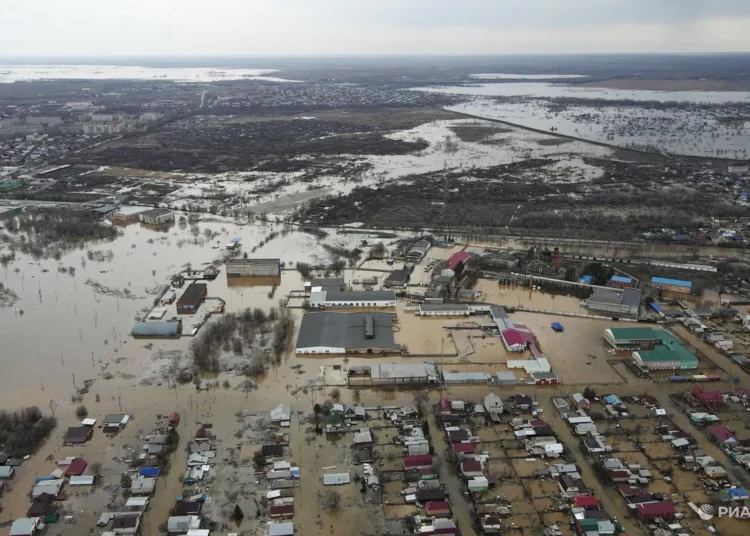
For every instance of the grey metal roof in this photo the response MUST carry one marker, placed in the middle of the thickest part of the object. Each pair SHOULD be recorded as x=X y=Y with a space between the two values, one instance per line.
x=443 y=307
x=627 y=296
x=505 y=376
x=280 y=529
x=360 y=295
x=543 y=375
x=156 y=212
x=333 y=282
x=346 y=330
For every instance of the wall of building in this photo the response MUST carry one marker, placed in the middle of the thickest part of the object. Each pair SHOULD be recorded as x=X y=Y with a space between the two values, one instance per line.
x=251 y=269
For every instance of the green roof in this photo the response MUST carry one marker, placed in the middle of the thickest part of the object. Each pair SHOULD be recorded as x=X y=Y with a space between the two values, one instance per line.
x=663 y=354
x=637 y=334
x=589 y=523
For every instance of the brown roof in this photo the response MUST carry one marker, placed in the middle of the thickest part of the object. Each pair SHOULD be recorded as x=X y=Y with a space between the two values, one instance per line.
x=77 y=434
x=187 y=508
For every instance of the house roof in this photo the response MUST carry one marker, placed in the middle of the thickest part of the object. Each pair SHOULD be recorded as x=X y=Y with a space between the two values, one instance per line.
x=585 y=501
x=280 y=529
x=346 y=330
x=77 y=434
x=471 y=466
x=464 y=448
x=621 y=279
x=457 y=258
x=721 y=432
x=76 y=467
x=24 y=526
x=416 y=461
x=437 y=507
x=513 y=337
x=656 y=509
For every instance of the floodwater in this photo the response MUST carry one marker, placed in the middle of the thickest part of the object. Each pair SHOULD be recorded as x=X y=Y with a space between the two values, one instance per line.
x=694 y=131
x=506 y=76
x=63 y=326
x=550 y=91
x=17 y=73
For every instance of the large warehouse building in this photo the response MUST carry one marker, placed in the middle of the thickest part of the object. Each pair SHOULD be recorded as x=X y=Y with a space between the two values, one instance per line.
x=633 y=338
x=360 y=298
x=653 y=349
x=624 y=302
x=673 y=285
x=253 y=267
x=347 y=333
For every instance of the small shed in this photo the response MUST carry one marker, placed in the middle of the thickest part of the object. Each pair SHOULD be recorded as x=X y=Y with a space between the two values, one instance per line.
x=280 y=529
x=87 y=480
x=174 y=419
x=26 y=526
x=336 y=479
x=557 y=326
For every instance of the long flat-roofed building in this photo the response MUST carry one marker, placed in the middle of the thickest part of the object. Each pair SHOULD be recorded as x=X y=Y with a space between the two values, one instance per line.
x=615 y=301
x=343 y=333
x=359 y=298
x=253 y=267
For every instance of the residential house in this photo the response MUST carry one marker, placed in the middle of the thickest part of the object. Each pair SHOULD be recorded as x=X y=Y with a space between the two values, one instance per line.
x=493 y=403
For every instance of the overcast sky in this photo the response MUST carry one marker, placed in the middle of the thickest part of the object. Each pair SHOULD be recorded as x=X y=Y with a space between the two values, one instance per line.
x=325 y=27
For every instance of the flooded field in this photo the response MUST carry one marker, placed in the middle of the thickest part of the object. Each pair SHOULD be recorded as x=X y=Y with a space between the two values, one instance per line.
x=587 y=114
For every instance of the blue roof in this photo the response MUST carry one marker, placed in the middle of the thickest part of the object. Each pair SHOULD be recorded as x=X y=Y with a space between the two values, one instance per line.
x=655 y=306
x=586 y=279
x=667 y=281
x=621 y=279
x=156 y=329
x=149 y=471
x=612 y=399
x=737 y=492
x=557 y=326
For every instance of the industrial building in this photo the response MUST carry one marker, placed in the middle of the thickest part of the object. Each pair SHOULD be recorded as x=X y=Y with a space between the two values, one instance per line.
x=127 y=214
x=361 y=298
x=443 y=309
x=397 y=278
x=653 y=349
x=620 y=281
x=620 y=302
x=673 y=285
x=396 y=374
x=319 y=284
x=157 y=329
x=156 y=216
x=192 y=298
x=344 y=333
x=253 y=267
x=418 y=251
x=633 y=338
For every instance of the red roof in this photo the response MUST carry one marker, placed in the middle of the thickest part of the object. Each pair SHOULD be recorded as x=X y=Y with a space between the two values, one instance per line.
x=76 y=467
x=456 y=259
x=721 y=432
x=463 y=448
x=174 y=418
x=704 y=395
x=513 y=337
x=628 y=490
x=284 y=510
x=655 y=509
x=444 y=405
x=585 y=501
x=427 y=471
x=471 y=466
x=423 y=460
x=437 y=507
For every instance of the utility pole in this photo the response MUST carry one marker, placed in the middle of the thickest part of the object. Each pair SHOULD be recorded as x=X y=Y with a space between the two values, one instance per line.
x=442 y=367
